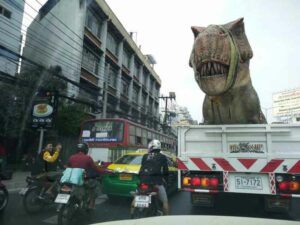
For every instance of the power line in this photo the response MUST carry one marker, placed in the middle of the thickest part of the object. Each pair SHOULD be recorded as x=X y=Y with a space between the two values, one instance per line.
x=36 y=48
x=100 y=78
x=53 y=24
x=60 y=21
x=62 y=53
x=59 y=76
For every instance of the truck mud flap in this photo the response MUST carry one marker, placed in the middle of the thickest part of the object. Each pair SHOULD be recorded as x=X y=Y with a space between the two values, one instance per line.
x=202 y=199
x=277 y=204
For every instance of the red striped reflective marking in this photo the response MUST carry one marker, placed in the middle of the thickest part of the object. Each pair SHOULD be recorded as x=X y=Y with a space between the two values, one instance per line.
x=295 y=168
x=224 y=164
x=247 y=163
x=201 y=164
x=181 y=165
x=272 y=165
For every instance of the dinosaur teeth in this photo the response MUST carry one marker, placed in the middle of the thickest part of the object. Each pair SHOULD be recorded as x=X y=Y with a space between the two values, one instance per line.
x=209 y=69
x=216 y=68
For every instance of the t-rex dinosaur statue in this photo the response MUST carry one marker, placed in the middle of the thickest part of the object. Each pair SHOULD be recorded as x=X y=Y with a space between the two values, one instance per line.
x=220 y=58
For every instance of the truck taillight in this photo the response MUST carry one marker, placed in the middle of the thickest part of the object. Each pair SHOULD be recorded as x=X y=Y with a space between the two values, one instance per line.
x=196 y=181
x=288 y=183
x=204 y=182
x=186 y=181
x=283 y=186
x=214 y=182
x=294 y=185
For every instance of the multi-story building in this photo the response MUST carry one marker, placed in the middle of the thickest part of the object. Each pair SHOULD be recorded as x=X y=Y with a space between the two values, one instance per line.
x=177 y=115
x=94 y=50
x=11 y=16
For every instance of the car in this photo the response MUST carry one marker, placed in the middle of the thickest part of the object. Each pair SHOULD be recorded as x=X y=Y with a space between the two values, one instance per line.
x=123 y=175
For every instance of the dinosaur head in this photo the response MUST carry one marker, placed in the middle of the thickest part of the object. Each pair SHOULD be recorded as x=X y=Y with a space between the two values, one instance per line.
x=220 y=57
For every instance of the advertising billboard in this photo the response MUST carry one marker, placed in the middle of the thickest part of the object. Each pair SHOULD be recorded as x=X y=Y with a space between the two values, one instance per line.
x=286 y=103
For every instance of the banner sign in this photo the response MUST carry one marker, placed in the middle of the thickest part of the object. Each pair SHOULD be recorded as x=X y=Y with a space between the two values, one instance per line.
x=44 y=109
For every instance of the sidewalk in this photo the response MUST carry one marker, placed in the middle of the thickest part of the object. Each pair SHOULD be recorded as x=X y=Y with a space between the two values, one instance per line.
x=17 y=182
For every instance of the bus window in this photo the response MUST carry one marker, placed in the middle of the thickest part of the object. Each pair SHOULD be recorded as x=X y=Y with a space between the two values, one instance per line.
x=149 y=135
x=138 y=132
x=132 y=130
x=132 y=140
x=138 y=140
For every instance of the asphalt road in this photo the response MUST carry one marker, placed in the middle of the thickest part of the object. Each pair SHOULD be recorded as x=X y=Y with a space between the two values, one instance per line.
x=229 y=205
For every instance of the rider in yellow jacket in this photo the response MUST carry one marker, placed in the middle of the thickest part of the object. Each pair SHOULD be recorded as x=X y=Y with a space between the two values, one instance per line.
x=50 y=157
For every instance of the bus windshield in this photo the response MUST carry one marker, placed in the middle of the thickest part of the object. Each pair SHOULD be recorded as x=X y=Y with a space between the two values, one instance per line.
x=102 y=131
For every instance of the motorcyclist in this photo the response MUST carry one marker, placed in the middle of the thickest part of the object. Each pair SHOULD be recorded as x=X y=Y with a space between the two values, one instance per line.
x=47 y=160
x=160 y=177
x=84 y=161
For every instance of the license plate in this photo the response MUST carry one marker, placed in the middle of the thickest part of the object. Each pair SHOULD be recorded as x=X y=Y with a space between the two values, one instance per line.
x=142 y=201
x=125 y=177
x=62 y=198
x=248 y=182
x=23 y=191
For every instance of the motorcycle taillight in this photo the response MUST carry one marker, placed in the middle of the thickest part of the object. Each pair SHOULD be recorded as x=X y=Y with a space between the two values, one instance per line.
x=144 y=186
x=66 y=188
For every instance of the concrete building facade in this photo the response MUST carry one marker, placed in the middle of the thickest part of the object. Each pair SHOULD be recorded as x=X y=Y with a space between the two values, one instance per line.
x=11 y=16
x=94 y=50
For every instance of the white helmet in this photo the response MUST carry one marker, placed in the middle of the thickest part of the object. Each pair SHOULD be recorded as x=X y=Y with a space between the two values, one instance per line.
x=154 y=145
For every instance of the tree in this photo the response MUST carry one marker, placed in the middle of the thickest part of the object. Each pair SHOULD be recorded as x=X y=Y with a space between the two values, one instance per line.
x=17 y=100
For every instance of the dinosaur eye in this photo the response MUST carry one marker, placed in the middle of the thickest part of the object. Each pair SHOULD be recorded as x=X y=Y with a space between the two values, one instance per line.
x=222 y=33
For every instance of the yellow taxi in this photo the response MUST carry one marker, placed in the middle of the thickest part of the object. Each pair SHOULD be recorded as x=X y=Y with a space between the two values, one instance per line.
x=123 y=174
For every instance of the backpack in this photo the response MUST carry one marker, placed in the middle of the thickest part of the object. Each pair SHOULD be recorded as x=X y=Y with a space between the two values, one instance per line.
x=151 y=166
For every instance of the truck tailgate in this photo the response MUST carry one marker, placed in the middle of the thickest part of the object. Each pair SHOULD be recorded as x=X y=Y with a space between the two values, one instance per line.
x=241 y=148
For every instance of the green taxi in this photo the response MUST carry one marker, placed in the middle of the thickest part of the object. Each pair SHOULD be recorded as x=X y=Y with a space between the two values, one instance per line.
x=123 y=175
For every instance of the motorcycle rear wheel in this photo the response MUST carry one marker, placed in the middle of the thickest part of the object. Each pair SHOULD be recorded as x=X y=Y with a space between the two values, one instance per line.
x=66 y=214
x=3 y=198
x=31 y=201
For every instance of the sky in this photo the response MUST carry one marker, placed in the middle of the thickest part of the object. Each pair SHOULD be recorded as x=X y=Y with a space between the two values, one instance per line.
x=163 y=29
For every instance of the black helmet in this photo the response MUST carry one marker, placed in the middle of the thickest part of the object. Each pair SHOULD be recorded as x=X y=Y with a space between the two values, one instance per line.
x=83 y=147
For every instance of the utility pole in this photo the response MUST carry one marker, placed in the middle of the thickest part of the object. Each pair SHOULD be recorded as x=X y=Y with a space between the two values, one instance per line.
x=165 y=98
x=105 y=87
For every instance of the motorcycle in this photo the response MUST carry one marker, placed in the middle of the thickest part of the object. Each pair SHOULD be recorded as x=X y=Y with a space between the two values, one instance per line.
x=3 y=196
x=146 y=202
x=72 y=199
x=35 y=196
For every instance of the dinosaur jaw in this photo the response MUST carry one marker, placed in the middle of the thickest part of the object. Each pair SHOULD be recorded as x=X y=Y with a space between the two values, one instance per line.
x=212 y=77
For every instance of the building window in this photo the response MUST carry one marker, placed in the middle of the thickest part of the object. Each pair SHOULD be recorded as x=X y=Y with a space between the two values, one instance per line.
x=93 y=23
x=112 y=44
x=126 y=58
x=90 y=61
x=135 y=94
x=150 y=105
x=136 y=69
x=145 y=80
x=125 y=87
x=144 y=103
x=151 y=85
x=5 y=12
x=113 y=76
